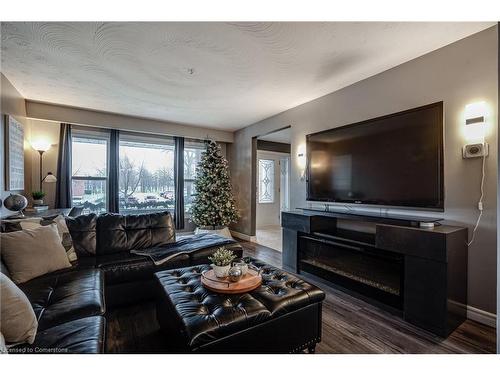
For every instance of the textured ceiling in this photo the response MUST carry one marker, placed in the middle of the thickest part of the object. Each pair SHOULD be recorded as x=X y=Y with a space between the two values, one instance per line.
x=242 y=72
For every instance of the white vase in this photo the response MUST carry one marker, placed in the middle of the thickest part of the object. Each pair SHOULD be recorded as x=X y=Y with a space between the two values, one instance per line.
x=222 y=231
x=37 y=202
x=221 y=271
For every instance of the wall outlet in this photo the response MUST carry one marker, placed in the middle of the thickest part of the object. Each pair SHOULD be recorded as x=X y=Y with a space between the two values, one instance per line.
x=475 y=150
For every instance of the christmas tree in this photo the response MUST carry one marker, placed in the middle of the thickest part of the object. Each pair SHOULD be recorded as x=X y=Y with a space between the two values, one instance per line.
x=213 y=203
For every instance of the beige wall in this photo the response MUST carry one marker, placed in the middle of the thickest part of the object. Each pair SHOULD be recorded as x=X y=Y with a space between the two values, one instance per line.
x=12 y=104
x=458 y=74
x=49 y=131
x=81 y=116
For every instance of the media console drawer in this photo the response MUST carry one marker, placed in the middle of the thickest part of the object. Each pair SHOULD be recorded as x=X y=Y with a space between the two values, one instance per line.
x=306 y=223
x=424 y=243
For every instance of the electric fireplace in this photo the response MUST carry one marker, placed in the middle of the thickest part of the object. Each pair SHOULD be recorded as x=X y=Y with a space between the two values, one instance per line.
x=357 y=266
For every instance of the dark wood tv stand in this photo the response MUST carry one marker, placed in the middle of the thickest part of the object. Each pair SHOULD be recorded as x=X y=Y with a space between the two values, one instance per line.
x=421 y=273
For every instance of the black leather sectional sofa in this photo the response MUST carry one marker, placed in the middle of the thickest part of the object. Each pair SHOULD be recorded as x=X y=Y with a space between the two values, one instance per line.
x=71 y=304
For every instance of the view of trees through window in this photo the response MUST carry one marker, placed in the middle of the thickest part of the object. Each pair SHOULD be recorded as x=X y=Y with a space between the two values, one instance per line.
x=146 y=180
x=89 y=173
x=146 y=174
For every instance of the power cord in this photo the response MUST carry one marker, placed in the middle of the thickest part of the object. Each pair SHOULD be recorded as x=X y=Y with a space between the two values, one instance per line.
x=479 y=204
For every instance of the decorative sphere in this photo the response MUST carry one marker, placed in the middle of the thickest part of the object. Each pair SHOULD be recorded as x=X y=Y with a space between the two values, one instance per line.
x=235 y=274
x=15 y=202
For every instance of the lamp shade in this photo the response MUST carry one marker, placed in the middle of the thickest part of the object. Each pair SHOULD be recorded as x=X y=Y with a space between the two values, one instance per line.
x=50 y=178
x=40 y=145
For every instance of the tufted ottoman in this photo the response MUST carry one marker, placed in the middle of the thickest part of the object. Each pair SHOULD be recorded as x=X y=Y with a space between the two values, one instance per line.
x=282 y=316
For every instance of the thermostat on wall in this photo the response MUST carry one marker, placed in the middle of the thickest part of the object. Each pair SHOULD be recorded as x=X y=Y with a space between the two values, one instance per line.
x=475 y=150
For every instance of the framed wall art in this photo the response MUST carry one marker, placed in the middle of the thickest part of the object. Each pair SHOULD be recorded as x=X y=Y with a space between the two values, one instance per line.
x=14 y=154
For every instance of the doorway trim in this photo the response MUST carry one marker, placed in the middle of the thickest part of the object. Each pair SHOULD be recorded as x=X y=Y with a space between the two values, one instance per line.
x=253 y=189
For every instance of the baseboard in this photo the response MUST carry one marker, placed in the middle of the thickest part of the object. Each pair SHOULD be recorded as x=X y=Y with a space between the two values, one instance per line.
x=481 y=316
x=243 y=236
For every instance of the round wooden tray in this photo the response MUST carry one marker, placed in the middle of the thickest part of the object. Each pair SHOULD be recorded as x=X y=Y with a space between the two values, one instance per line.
x=250 y=281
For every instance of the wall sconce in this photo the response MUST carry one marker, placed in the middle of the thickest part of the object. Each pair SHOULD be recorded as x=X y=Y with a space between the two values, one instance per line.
x=301 y=161
x=475 y=131
x=42 y=145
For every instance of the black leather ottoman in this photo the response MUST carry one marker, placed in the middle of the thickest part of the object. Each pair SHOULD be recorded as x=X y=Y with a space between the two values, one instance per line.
x=282 y=316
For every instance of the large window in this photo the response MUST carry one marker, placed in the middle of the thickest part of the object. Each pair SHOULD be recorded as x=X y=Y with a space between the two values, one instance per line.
x=146 y=178
x=89 y=170
x=192 y=156
x=146 y=181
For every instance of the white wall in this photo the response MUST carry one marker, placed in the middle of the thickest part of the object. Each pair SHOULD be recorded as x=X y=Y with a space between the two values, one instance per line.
x=458 y=74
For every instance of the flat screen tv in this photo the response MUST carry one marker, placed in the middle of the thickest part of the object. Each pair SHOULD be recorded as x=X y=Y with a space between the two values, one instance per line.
x=394 y=160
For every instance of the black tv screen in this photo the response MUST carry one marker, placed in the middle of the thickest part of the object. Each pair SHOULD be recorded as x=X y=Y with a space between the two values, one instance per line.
x=394 y=160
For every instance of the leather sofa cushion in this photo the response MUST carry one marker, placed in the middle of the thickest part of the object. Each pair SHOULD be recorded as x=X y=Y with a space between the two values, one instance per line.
x=64 y=296
x=83 y=232
x=81 y=336
x=200 y=315
x=124 y=267
x=117 y=233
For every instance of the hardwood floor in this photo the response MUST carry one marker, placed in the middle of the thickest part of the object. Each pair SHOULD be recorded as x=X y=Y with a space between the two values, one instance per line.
x=350 y=325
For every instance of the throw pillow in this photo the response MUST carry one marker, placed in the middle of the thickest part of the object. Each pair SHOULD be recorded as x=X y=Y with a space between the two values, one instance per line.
x=32 y=223
x=30 y=253
x=17 y=319
x=3 y=347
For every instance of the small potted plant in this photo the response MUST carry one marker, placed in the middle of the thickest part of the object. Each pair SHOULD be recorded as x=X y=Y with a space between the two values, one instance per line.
x=221 y=261
x=38 y=198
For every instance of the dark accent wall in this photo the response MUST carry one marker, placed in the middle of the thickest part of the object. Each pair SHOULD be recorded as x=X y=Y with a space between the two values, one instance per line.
x=263 y=145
